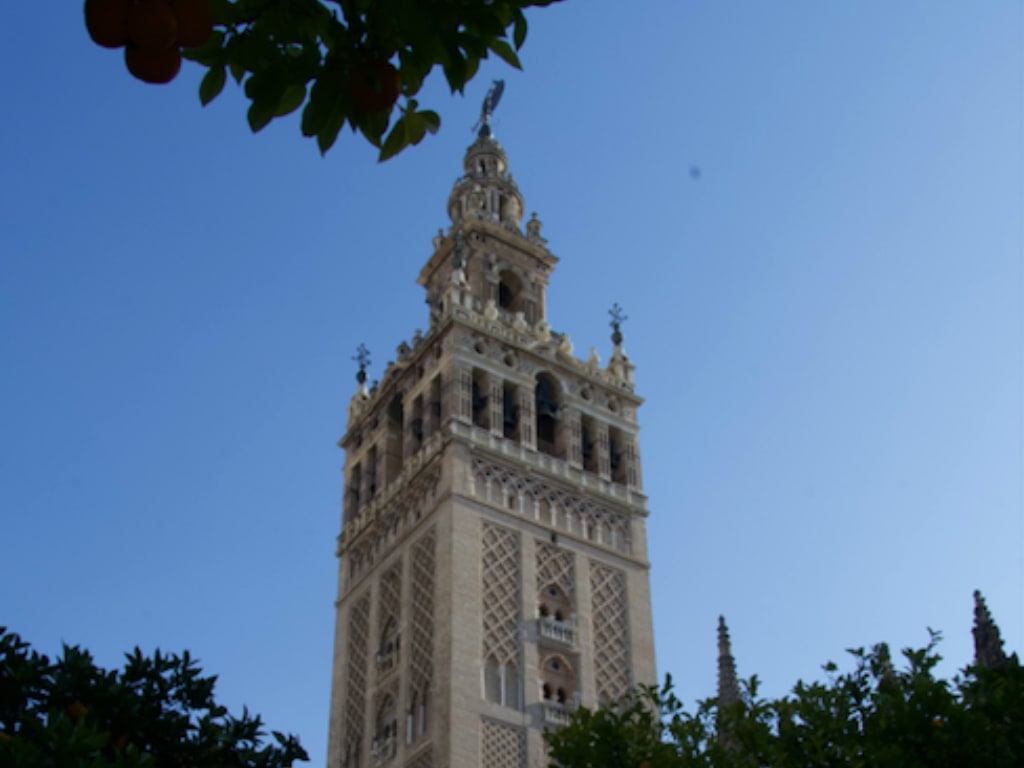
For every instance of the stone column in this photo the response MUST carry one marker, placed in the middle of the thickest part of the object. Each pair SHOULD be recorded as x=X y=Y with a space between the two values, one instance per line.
x=604 y=464
x=462 y=394
x=572 y=436
x=497 y=405
x=584 y=631
x=527 y=427
x=632 y=462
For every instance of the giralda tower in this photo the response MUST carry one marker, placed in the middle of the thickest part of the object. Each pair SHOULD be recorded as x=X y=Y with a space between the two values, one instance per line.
x=493 y=559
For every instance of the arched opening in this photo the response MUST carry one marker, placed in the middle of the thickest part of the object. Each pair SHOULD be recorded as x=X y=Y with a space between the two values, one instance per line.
x=510 y=411
x=619 y=448
x=557 y=616
x=481 y=412
x=355 y=482
x=588 y=429
x=393 y=439
x=555 y=603
x=492 y=680
x=558 y=681
x=385 y=733
x=371 y=472
x=547 y=404
x=510 y=291
x=387 y=651
x=501 y=683
x=416 y=431
x=433 y=415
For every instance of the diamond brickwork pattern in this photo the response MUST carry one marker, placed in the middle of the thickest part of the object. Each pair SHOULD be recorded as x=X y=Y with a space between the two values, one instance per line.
x=502 y=746
x=555 y=566
x=501 y=596
x=389 y=598
x=497 y=484
x=423 y=759
x=421 y=658
x=355 y=698
x=382 y=528
x=610 y=632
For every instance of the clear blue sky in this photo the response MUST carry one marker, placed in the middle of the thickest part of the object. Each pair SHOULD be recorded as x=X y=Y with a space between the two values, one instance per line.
x=827 y=326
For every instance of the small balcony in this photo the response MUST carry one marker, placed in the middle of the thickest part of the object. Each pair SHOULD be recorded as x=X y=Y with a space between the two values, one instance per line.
x=558 y=713
x=561 y=631
x=383 y=751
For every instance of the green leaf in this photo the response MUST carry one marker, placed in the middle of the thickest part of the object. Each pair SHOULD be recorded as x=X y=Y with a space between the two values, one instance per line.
x=211 y=54
x=323 y=101
x=415 y=128
x=291 y=100
x=519 y=30
x=328 y=132
x=396 y=141
x=212 y=84
x=431 y=119
x=237 y=70
x=504 y=50
x=260 y=113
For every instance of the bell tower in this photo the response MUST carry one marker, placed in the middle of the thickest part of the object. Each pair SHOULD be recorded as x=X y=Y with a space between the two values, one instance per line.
x=493 y=565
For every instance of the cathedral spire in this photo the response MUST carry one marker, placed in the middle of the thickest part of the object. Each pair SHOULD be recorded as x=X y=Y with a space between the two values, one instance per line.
x=728 y=686
x=988 y=644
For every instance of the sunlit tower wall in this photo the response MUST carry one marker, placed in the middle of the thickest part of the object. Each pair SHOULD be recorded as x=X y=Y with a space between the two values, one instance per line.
x=493 y=567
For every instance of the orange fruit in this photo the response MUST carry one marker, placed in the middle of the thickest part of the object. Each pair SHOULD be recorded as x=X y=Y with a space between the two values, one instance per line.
x=155 y=67
x=375 y=86
x=195 y=22
x=4 y=736
x=152 y=25
x=76 y=710
x=107 y=22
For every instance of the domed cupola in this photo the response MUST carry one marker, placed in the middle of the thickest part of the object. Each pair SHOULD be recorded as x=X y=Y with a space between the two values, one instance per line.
x=487 y=190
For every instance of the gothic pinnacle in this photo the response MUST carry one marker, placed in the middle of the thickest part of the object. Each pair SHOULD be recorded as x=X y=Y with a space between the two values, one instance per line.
x=988 y=645
x=728 y=686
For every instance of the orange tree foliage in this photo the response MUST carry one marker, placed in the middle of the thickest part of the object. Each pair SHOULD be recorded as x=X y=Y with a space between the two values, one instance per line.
x=874 y=716
x=156 y=712
x=320 y=55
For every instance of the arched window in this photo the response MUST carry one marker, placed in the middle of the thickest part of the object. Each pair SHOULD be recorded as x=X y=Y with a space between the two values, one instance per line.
x=501 y=683
x=558 y=680
x=385 y=732
x=492 y=680
x=555 y=603
x=510 y=681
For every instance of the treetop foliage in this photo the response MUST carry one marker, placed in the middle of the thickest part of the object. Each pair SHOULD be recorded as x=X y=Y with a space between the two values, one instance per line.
x=156 y=712
x=876 y=715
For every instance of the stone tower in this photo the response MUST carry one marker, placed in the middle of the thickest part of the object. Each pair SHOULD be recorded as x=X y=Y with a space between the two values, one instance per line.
x=493 y=559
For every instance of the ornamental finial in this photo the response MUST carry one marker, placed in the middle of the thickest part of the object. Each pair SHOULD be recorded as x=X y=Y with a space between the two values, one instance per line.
x=362 y=356
x=618 y=318
x=487 y=109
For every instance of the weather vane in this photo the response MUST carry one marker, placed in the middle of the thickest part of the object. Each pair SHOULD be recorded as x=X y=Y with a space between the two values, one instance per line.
x=490 y=103
x=362 y=356
x=618 y=318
